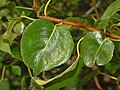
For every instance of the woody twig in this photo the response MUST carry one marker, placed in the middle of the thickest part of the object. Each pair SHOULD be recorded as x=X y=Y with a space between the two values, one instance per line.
x=79 y=25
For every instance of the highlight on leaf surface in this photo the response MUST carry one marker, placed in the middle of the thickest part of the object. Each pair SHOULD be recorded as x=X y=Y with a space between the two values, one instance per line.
x=44 y=47
x=95 y=48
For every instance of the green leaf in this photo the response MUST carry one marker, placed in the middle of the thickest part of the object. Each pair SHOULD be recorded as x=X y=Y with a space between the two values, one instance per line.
x=11 y=24
x=4 y=3
x=87 y=77
x=96 y=49
x=16 y=70
x=112 y=67
x=2 y=55
x=15 y=49
x=5 y=47
x=4 y=12
x=4 y=85
x=25 y=82
x=44 y=47
x=72 y=67
x=66 y=79
x=18 y=28
x=110 y=11
x=118 y=80
x=1 y=22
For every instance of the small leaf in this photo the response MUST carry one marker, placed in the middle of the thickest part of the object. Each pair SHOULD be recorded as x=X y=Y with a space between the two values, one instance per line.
x=18 y=28
x=16 y=70
x=87 y=77
x=96 y=49
x=118 y=80
x=25 y=82
x=110 y=11
x=9 y=28
x=2 y=55
x=4 y=85
x=112 y=67
x=4 y=12
x=16 y=51
x=5 y=47
x=4 y=3
x=44 y=47
x=9 y=35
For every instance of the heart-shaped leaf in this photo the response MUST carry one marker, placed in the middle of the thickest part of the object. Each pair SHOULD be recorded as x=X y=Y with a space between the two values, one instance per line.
x=44 y=47
x=72 y=67
x=96 y=49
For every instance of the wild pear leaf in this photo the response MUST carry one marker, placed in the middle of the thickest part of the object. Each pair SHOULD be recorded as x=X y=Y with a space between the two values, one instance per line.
x=4 y=85
x=16 y=70
x=44 y=47
x=5 y=47
x=96 y=49
x=72 y=67
x=110 y=11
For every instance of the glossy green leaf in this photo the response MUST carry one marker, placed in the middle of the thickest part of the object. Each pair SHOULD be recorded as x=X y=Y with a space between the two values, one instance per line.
x=44 y=47
x=110 y=11
x=4 y=85
x=5 y=47
x=16 y=70
x=72 y=67
x=96 y=49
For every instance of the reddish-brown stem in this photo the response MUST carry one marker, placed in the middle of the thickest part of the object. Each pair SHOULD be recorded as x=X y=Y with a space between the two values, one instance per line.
x=95 y=8
x=97 y=83
x=79 y=25
x=35 y=6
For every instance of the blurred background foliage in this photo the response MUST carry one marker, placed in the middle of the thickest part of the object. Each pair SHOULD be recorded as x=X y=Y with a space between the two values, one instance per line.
x=73 y=10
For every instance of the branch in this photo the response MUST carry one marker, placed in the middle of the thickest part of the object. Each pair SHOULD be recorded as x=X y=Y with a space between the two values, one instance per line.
x=97 y=83
x=79 y=25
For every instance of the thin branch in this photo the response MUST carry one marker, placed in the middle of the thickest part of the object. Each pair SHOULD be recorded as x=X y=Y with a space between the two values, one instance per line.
x=69 y=22
x=26 y=8
x=95 y=8
x=3 y=73
x=79 y=25
x=114 y=78
x=92 y=8
x=97 y=83
x=30 y=72
x=45 y=10
x=36 y=6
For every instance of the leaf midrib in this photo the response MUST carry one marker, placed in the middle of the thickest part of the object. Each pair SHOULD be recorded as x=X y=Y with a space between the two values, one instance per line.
x=98 y=49
x=54 y=29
